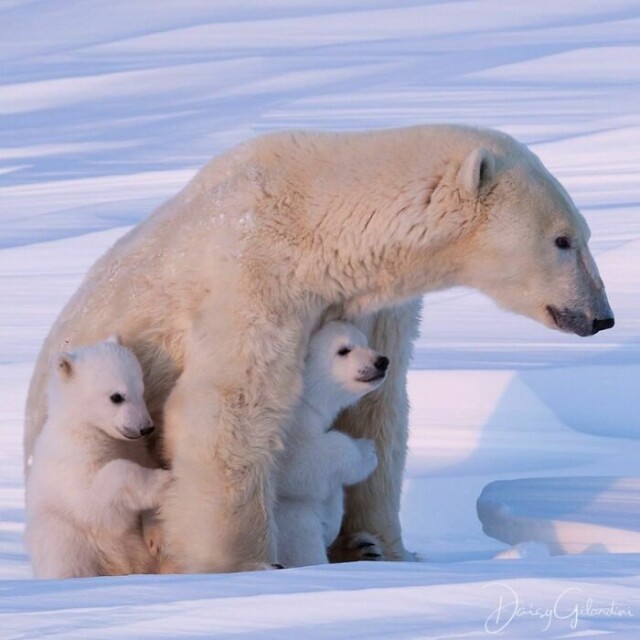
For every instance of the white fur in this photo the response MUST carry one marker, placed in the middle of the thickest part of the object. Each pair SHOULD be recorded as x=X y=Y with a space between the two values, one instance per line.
x=318 y=462
x=225 y=283
x=91 y=480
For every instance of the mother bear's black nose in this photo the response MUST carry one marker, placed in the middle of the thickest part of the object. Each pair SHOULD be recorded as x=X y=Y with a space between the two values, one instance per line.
x=382 y=363
x=601 y=325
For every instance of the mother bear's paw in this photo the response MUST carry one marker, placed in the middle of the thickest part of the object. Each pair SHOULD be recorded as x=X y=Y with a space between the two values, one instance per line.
x=352 y=547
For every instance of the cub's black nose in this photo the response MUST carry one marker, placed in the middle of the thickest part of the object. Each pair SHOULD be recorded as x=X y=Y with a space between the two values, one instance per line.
x=601 y=325
x=381 y=363
x=147 y=430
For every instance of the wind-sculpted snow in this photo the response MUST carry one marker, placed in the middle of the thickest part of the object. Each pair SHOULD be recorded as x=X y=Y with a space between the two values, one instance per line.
x=109 y=106
x=569 y=515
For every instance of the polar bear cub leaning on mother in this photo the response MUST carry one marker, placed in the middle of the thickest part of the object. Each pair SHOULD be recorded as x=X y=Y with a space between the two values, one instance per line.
x=91 y=478
x=319 y=462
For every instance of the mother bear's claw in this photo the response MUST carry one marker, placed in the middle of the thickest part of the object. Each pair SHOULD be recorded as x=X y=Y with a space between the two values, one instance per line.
x=362 y=545
x=356 y=546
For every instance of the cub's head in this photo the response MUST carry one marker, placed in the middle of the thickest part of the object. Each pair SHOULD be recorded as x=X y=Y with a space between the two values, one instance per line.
x=340 y=366
x=101 y=385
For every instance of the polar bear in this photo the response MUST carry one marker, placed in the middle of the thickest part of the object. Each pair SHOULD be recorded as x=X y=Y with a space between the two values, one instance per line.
x=270 y=239
x=319 y=462
x=91 y=480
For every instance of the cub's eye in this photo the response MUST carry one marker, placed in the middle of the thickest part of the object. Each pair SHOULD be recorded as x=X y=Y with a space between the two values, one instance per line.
x=562 y=242
x=344 y=351
x=116 y=398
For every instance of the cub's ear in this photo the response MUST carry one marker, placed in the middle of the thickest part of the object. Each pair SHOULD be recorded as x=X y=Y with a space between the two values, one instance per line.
x=334 y=312
x=64 y=365
x=476 y=171
x=115 y=338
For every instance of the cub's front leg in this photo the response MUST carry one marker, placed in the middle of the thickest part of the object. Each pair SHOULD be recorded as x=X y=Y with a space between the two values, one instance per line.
x=125 y=486
x=365 y=463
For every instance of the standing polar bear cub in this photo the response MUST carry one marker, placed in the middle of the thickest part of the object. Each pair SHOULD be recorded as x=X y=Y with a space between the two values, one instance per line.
x=91 y=477
x=319 y=462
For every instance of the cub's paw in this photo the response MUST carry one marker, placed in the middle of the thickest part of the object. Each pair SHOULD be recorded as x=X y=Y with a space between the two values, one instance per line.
x=152 y=533
x=161 y=479
x=368 y=456
x=352 y=547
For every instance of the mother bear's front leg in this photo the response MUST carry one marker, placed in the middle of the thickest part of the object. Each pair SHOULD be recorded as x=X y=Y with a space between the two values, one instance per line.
x=224 y=423
x=373 y=506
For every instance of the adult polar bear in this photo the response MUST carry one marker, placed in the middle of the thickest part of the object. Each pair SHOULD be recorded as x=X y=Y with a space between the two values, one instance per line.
x=218 y=291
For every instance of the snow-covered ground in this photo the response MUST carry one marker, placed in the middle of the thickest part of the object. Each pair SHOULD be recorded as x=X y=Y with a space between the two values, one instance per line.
x=108 y=106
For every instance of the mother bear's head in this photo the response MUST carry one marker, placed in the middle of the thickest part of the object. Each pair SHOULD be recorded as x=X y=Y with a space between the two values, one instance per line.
x=529 y=251
x=450 y=205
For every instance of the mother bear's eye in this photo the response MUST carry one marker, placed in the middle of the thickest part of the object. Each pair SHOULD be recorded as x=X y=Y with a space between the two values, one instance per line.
x=344 y=351
x=562 y=242
x=116 y=398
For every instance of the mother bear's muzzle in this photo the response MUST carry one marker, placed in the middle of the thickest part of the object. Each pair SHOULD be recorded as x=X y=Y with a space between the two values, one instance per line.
x=579 y=322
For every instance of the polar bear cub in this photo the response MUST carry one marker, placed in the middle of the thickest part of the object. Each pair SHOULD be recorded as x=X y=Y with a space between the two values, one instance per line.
x=91 y=476
x=318 y=462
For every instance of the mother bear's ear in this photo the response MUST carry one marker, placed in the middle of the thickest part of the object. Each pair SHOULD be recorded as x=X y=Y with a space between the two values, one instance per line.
x=476 y=171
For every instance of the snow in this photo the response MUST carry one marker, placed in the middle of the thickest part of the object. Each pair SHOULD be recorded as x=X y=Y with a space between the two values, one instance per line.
x=568 y=515
x=519 y=435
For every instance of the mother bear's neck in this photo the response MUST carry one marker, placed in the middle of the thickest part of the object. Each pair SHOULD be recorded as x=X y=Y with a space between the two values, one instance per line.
x=357 y=248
